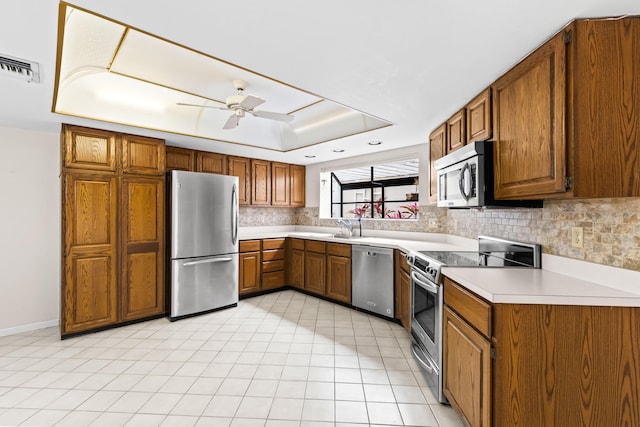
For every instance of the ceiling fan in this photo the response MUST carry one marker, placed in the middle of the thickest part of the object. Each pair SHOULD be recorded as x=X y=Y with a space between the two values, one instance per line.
x=241 y=104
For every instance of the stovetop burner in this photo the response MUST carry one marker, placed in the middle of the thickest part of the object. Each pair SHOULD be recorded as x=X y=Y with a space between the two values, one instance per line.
x=493 y=253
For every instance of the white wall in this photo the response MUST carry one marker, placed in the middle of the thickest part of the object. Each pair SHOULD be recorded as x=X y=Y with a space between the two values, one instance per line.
x=29 y=229
x=313 y=188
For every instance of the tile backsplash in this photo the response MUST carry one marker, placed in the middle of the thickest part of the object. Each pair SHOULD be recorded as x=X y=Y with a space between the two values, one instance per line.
x=611 y=226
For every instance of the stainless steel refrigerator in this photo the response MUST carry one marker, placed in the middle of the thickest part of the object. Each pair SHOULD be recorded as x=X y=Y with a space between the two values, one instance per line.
x=204 y=242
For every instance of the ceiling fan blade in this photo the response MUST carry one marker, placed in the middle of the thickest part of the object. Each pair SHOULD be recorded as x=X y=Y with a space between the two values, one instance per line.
x=250 y=102
x=232 y=122
x=272 y=116
x=202 y=106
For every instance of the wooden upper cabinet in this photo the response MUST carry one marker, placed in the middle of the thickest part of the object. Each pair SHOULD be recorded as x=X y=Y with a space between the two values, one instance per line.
x=142 y=155
x=297 y=186
x=178 y=158
x=86 y=148
x=142 y=258
x=211 y=162
x=90 y=257
x=241 y=167
x=280 y=184
x=479 y=117
x=437 y=149
x=261 y=182
x=456 y=131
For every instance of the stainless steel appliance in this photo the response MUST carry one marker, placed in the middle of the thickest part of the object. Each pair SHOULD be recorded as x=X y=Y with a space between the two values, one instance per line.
x=372 y=279
x=465 y=179
x=427 y=296
x=203 y=238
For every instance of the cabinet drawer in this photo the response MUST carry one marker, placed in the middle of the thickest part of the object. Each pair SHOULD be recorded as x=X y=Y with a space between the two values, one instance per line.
x=249 y=245
x=339 y=249
x=269 y=266
x=297 y=244
x=275 y=279
x=314 y=246
x=472 y=308
x=273 y=244
x=272 y=254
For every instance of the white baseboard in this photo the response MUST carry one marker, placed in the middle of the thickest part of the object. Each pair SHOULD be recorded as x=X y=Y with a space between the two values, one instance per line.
x=29 y=327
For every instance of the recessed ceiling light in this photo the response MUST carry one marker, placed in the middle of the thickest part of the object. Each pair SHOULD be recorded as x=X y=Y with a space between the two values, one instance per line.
x=375 y=143
x=310 y=156
x=338 y=150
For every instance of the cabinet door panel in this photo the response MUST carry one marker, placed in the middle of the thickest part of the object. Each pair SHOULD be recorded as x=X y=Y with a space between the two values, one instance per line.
x=89 y=284
x=211 y=162
x=529 y=114
x=297 y=185
x=479 y=117
x=280 y=183
x=456 y=131
x=467 y=370
x=86 y=148
x=240 y=167
x=314 y=272
x=249 y=272
x=437 y=149
x=180 y=158
x=261 y=182
x=142 y=281
x=142 y=155
x=339 y=278
x=297 y=268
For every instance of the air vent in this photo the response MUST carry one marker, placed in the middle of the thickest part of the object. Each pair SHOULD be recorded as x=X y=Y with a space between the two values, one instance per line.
x=19 y=68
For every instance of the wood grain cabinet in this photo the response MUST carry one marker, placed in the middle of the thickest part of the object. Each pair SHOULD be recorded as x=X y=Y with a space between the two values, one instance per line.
x=534 y=364
x=338 y=286
x=260 y=182
x=273 y=263
x=315 y=266
x=178 y=158
x=297 y=185
x=478 y=113
x=211 y=162
x=296 y=263
x=437 y=149
x=565 y=124
x=467 y=354
x=456 y=131
x=249 y=266
x=112 y=229
x=241 y=167
x=402 y=290
x=280 y=184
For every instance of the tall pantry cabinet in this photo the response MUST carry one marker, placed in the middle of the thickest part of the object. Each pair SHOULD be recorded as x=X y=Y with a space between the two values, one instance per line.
x=113 y=199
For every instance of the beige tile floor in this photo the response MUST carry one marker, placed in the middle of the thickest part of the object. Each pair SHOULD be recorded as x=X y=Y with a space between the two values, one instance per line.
x=283 y=359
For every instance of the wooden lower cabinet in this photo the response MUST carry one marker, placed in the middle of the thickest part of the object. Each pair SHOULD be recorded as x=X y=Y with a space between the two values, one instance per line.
x=553 y=365
x=296 y=263
x=90 y=256
x=315 y=267
x=249 y=272
x=142 y=264
x=273 y=263
x=338 y=279
x=402 y=290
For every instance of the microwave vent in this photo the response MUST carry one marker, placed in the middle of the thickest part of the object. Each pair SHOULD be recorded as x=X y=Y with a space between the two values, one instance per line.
x=19 y=68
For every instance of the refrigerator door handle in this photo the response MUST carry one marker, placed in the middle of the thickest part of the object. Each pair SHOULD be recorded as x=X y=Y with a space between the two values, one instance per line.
x=234 y=214
x=207 y=261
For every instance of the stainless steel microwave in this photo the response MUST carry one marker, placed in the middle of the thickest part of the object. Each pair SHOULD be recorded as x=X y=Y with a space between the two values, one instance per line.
x=465 y=179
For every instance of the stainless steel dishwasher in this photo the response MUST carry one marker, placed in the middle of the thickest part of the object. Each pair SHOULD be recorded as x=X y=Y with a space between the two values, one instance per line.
x=372 y=279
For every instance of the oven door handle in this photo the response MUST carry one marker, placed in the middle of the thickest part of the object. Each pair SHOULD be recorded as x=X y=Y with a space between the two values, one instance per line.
x=423 y=282
x=424 y=362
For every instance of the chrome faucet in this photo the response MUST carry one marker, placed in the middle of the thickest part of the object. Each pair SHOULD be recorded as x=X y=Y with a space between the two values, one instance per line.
x=345 y=223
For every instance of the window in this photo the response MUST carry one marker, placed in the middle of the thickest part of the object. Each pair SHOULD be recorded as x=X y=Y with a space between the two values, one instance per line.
x=384 y=191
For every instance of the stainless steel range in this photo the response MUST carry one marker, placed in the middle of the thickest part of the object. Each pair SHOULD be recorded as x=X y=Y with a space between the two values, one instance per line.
x=427 y=297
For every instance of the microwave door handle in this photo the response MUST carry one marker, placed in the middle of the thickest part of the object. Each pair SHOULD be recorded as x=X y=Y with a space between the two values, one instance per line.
x=464 y=172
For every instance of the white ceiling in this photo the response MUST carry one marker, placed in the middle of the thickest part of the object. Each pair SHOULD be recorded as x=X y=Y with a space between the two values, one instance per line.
x=413 y=63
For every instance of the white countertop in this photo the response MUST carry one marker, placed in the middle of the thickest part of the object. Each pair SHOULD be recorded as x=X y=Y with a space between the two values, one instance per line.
x=560 y=281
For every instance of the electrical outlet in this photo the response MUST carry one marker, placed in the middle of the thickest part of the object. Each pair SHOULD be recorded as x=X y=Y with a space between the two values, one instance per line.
x=577 y=235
